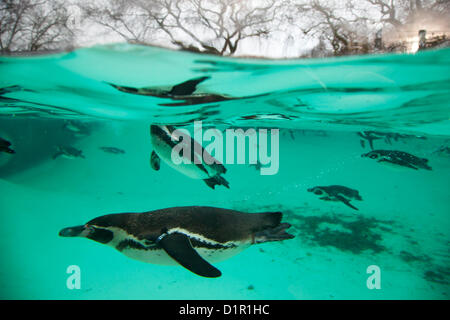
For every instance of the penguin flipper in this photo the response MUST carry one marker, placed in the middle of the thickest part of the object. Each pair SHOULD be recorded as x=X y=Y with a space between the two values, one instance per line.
x=155 y=161
x=179 y=247
x=346 y=202
x=187 y=88
x=399 y=162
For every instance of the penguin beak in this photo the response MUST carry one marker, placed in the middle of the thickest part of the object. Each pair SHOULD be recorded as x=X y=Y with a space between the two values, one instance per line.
x=78 y=231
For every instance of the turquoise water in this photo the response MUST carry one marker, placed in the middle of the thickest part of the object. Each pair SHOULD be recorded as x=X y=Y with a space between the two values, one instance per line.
x=65 y=99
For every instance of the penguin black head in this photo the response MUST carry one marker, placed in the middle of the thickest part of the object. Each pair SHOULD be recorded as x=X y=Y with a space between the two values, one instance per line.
x=317 y=191
x=89 y=231
x=372 y=155
x=163 y=131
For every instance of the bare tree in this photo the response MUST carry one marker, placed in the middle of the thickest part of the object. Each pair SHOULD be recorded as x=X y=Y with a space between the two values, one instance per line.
x=400 y=12
x=213 y=26
x=401 y=20
x=353 y=26
x=122 y=17
x=339 y=27
x=32 y=25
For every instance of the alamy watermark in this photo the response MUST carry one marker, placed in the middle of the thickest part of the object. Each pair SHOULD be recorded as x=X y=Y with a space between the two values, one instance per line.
x=236 y=148
x=74 y=280
x=374 y=280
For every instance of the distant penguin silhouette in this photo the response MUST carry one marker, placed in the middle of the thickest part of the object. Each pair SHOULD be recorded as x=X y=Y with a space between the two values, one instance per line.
x=112 y=150
x=337 y=193
x=398 y=159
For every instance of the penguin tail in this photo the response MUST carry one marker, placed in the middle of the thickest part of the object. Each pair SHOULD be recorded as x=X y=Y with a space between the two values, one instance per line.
x=277 y=233
x=425 y=164
x=217 y=180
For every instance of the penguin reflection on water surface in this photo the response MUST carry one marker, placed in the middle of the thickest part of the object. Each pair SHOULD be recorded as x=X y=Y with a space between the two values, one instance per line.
x=337 y=193
x=398 y=159
x=164 y=139
x=184 y=93
x=190 y=236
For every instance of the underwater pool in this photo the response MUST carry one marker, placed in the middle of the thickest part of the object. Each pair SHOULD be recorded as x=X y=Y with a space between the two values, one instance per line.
x=361 y=173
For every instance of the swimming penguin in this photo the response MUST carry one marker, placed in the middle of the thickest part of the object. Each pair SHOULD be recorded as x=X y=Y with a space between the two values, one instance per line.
x=164 y=139
x=5 y=146
x=112 y=150
x=68 y=152
x=77 y=128
x=337 y=193
x=398 y=159
x=185 y=91
x=190 y=236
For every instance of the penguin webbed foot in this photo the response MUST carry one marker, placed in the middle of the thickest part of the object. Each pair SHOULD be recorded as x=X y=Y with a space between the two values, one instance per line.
x=155 y=161
x=217 y=180
x=277 y=233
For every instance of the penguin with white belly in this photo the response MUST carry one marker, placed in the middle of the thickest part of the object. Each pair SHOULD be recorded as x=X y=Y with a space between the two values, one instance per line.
x=165 y=138
x=189 y=236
